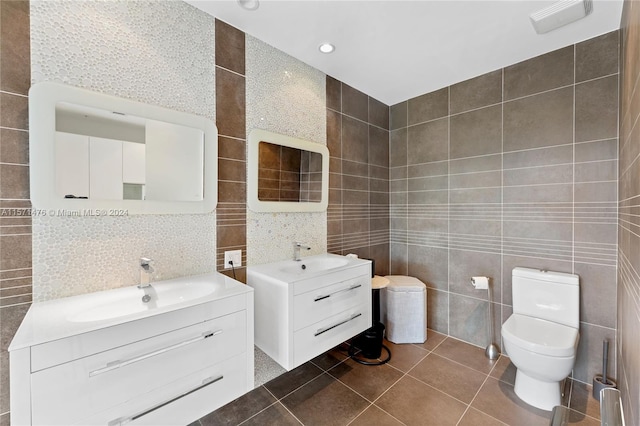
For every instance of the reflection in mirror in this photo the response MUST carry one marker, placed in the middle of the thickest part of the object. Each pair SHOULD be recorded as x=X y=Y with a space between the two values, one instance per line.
x=286 y=174
x=289 y=174
x=93 y=152
x=108 y=155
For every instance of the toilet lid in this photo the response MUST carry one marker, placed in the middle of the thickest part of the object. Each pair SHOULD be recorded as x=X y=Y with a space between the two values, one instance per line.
x=405 y=283
x=540 y=336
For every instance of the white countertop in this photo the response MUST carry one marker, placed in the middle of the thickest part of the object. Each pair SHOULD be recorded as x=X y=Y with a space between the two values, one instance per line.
x=289 y=271
x=54 y=319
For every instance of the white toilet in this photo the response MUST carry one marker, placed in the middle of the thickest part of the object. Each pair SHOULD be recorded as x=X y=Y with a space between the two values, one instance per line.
x=541 y=336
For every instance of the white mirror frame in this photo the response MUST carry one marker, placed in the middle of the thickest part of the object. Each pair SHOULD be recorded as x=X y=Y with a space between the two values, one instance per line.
x=258 y=135
x=43 y=98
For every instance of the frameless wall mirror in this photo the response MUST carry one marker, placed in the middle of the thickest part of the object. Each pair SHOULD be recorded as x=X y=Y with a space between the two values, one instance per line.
x=91 y=151
x=286 y=174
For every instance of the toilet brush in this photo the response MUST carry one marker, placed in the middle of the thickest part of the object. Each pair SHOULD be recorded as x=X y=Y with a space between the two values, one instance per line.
x=492 y=352
x=602 y=381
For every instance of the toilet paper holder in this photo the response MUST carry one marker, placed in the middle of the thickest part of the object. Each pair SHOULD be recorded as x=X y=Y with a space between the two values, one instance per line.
x=481 y=283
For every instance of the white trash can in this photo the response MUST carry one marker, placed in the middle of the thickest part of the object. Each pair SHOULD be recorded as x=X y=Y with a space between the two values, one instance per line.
x=405 y=309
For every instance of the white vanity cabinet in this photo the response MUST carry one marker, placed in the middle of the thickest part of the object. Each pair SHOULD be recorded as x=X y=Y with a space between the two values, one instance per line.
x=165 y=369
x=301 y=313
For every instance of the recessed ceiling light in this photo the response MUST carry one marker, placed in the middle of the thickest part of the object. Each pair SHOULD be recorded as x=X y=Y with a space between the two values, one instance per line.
x=249 y=4
x=327 y=48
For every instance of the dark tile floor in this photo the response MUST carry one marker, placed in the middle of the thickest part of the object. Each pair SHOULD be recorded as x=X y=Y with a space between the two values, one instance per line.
x=441 y=382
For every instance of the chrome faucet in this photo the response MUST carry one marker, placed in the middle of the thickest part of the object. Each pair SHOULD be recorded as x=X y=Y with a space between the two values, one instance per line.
x=296 y=250
x=145 y=272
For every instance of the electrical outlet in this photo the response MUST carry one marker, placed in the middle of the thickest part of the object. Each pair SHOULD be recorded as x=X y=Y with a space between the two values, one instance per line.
x=232 y=255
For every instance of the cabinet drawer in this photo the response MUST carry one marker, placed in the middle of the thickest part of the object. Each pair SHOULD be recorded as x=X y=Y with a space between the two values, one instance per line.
x=324 y=335
x=183 y=401
x=312 y=284
x=316 y=305
x=77 y=389
x=86 y=344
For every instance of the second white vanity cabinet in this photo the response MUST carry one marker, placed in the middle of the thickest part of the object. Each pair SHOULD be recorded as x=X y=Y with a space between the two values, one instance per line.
x=166 y=367
x=305 y=308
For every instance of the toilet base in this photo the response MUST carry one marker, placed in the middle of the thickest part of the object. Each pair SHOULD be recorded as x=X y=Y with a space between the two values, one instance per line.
x=538 y=393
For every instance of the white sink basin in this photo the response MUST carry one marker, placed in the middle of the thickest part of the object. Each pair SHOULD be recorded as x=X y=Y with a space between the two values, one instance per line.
x=288 y=271
x=127 y=301
x=313 y=265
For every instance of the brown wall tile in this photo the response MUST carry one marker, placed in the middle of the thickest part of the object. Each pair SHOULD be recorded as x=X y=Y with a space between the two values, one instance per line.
x=599 y=150
x=597 y=57
x=475 y=133
x=358 y=141
x=628 y=348
x=334 y=133
x=231 y=236
x=15 y=66
x=14 y=146
x=429 y=106
x=398 y=148
x=539 y=175
x=475 y=189
x=477 y=92
x=355 y=103
x=232 y=192
x=334 y=94
x=355 y=140
x=544 y=72
x=16 y=251
x=15 y=112
x=230 y=104
x=229 y=47
x=232 y=170
x=428 y=142
x=234 y=149
x=398 y=116
x=14 y=181
x=597 y=109
x=378 y=146
x=15 y=234
x=541 y=120
x=378 y=113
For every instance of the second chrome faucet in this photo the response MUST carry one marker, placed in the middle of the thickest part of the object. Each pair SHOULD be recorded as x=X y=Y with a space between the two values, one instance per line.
x=296 y=250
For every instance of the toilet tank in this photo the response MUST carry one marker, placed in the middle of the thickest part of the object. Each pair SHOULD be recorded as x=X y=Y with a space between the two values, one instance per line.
x=554 y=296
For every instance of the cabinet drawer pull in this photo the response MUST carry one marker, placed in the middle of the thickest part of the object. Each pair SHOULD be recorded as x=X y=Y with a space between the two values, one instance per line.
x=125 y=420
x=117 y=364
x=331 y=327
x=326 y=296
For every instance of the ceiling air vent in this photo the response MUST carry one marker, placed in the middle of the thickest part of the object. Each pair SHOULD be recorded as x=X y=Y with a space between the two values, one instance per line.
x=560 y=14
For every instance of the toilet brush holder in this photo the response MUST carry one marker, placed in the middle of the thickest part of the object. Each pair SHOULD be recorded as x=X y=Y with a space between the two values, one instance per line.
x=601 y=381
x=481 y=283
x=599 y=384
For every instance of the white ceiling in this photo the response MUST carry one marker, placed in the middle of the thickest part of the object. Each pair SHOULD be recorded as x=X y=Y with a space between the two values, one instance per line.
x=395 y=50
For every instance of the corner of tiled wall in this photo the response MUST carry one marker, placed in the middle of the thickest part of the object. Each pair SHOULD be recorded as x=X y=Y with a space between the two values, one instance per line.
x=15 y=224
x=358 y=142
x=628 y=291
x=516 y=167
x=230 y=119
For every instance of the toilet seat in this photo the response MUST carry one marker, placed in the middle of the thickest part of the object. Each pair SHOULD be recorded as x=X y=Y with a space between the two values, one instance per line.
x=540 y=336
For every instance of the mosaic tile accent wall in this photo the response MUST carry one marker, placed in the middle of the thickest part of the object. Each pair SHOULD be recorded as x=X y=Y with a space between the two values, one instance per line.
x=15 y=229
x=284 y=96
x=358 y=141
x=628 y=353
x=123 y=48
x=516 y=167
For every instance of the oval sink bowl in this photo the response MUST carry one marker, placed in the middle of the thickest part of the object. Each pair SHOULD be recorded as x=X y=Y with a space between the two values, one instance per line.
x=313 y=265
x=127 y=301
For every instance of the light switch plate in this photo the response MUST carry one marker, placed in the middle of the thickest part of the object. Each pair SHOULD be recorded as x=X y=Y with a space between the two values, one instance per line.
x=232 y=255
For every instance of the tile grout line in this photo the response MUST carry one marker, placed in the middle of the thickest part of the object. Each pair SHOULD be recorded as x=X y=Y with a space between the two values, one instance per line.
x=478 y=392
x=284 y=406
